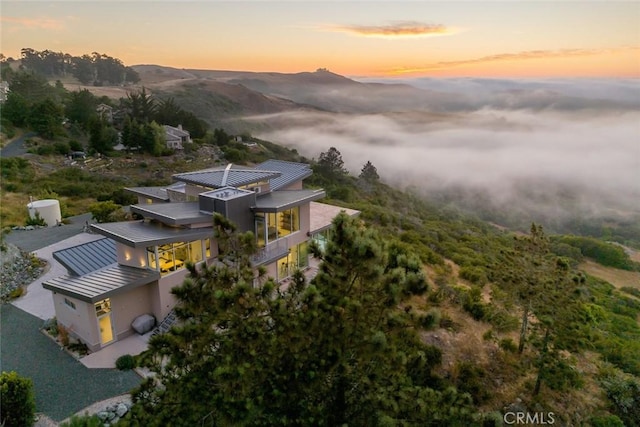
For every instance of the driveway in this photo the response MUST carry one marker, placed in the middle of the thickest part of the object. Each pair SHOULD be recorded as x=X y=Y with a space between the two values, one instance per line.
x=16 y=147
x=62 y=384
x=32 y=240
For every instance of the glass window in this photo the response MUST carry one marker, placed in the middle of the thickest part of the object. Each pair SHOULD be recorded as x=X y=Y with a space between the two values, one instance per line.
x=195 y=248
x=272 y=227
x=103 y=307
x=69 y=303
x=207 y=247
x=303 y=255
x=151 y=258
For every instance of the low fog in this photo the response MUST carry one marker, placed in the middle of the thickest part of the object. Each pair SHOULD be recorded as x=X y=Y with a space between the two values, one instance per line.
x=545 y=164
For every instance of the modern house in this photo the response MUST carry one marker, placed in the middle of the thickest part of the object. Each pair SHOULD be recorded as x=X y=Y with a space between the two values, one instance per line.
x=132 y=270
x=176 y=137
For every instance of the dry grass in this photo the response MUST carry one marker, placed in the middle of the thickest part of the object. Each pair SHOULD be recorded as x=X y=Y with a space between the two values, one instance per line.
x=13 y=209
x=618 y=278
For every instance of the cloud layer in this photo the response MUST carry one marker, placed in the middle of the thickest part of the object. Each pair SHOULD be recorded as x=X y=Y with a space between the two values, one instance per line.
x=517 y=56
x=573 y=161
x=395 y=30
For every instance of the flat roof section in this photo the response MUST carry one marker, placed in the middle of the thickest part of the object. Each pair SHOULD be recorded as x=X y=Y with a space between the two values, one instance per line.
x=102 y=284
x=140 y=234
x=176 y=213
x=277 y=201
x=322 y=215
x=155 y=193
x=88 y=257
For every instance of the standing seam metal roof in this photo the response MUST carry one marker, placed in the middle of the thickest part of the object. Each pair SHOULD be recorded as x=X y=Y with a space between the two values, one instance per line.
x=102 y=283
x=142 y=234
x=236 y=177
x=291 y=172
x=83 y=259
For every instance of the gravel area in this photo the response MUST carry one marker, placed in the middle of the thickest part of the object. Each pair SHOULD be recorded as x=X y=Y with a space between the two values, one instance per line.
x=63 y=386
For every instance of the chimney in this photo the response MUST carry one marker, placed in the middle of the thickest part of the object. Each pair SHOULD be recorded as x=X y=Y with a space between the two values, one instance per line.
x=180 y=127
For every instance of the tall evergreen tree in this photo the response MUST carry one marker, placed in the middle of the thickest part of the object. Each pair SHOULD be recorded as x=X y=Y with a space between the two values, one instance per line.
x=334 y=351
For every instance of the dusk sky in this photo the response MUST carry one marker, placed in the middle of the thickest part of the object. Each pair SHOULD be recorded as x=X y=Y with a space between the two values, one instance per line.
x=353 y=38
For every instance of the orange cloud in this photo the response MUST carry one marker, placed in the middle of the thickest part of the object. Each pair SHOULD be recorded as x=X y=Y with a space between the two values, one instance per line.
x=518 y=56
x=397 y=30
x=31 y=23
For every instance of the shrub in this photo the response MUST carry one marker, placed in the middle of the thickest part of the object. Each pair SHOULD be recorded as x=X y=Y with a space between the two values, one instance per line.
x=85 y=420
x=471 y=379
x=607 y=421
x=37 y=220
x=431 y=319
x=623 y=391
x=16 y=293
x=488 y=336
x=64 y=335
x=507 y=344
x=51 y=326
x=126 y=362
x=562 y=376
x=18 y=400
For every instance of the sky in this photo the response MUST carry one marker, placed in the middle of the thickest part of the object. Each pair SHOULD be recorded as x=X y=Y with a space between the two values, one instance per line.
x=351 y=38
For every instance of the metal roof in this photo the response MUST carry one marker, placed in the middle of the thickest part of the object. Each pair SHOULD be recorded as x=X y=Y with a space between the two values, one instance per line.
x=279 y=200
x=291 y=172
x=177 y=213
x=102 y=284
x=214 y=178
x=140 y=234
x=83 y=259
x=158 y=193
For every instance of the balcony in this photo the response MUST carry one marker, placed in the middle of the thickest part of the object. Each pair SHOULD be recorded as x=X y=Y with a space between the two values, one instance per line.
x=271 y=252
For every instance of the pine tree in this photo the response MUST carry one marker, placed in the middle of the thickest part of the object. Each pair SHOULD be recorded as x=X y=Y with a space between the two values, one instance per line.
x=334 y=351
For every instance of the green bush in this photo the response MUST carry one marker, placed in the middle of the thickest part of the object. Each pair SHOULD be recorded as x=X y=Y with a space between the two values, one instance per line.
x=607 y=421
x=471 y=379
x=18 y=400
x=507 y=344
x=431 y=319
x=604 y=253
x=126 y=362
x=623 y=391
x=85 y=420
x=37 y=220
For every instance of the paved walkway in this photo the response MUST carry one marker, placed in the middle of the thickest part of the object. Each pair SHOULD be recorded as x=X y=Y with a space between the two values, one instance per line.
x=62 y=384
x=37 y=300
x=106 y=357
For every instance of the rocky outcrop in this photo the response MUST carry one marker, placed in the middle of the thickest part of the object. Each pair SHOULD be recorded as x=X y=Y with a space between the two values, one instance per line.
x=113 y=413
x=17 y=268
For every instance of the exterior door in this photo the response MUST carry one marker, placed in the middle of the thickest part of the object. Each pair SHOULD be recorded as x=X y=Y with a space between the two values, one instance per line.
x=106 y=329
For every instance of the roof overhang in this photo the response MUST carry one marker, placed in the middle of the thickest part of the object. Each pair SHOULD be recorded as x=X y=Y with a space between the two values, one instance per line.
x=278 y=201
x=177 y=213
x=140 y=234
x=154 y=193
x=103 y=283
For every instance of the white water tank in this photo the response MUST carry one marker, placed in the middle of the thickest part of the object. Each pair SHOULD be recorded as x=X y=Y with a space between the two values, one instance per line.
x=49 y=210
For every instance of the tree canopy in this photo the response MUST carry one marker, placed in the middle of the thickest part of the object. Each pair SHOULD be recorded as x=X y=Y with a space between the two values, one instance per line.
x=333 y=351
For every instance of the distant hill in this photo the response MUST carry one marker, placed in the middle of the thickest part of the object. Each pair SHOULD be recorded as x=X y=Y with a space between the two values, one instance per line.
x=321 y=90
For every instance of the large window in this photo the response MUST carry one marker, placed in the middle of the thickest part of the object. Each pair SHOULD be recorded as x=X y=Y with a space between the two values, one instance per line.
x=174 y=256
x=275 y=225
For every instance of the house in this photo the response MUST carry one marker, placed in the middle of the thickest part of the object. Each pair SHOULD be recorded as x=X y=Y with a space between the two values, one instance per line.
x=131 y=271
x=4 y=91
x=105 y=112
x=176 y=137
